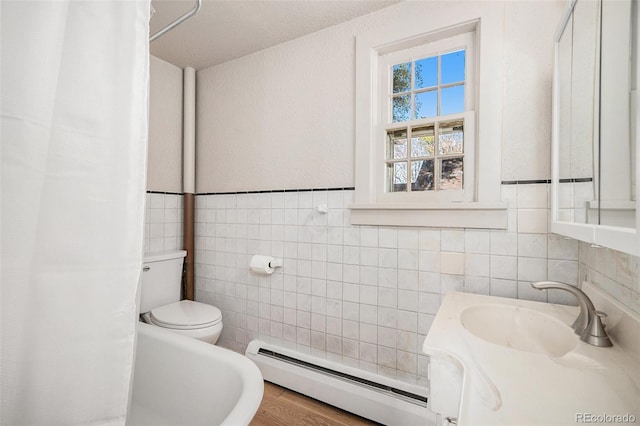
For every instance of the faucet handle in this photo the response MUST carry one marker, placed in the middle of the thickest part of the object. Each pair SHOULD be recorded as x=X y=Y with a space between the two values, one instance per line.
x=594 y=333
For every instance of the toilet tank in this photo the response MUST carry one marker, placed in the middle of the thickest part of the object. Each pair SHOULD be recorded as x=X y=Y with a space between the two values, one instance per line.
x=161 y=279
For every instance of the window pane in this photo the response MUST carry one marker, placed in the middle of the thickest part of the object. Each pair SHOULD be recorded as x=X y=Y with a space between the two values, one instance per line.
x=401 y=108
x=426 y=104
x=422 y=141
x=452 y=67
x=422 y=175
x=452 y=100
x=396 y=177
x=402 y=77
x=451 y=173
x=397 y=144
x=426 y=73
x=451 y=138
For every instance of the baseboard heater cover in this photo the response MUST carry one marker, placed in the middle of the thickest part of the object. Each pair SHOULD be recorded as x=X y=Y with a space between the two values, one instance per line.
x=377 y=398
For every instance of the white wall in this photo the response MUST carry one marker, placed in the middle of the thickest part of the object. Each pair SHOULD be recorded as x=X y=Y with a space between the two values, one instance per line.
x=164 y=171
x=280 y=118
x=288 y=111
x=528 y=55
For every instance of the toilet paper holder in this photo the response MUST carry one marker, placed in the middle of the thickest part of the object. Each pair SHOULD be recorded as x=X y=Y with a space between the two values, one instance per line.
x=276 y=263
x=264 y=265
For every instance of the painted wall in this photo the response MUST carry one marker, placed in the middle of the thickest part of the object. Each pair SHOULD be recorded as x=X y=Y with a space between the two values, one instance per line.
x=284 y=117
x=164 y=171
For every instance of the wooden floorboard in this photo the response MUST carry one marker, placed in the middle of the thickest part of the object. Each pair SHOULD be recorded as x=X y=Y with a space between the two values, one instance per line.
x=283 y=407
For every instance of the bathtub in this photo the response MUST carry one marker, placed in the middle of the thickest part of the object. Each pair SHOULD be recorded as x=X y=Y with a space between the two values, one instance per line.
x=183 y=381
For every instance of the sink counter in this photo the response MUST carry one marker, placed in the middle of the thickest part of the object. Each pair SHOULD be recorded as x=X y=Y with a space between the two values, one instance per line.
x=509 y=371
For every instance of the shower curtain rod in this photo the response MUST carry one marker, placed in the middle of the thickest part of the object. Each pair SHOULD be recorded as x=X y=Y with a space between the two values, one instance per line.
x=178 y=21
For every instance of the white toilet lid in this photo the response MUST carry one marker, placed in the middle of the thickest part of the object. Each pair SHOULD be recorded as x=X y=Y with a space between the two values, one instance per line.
x=186 y=314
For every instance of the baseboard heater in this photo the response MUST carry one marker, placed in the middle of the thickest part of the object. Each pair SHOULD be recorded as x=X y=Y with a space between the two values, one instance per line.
x=381 y=399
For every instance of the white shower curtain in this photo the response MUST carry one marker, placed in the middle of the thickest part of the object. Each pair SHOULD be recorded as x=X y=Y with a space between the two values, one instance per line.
x=73 y=162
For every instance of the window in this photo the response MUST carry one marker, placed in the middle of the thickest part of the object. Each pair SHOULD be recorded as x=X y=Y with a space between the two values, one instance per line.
x=426 y=106
x=426 y=116
x=416 y=143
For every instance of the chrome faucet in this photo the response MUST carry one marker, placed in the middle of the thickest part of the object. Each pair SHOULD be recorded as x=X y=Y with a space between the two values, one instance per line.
x=588 y=325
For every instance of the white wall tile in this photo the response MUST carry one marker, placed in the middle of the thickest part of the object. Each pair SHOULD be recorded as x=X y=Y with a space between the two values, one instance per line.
x=505 y=267
x=388 y=258
x=451 y=283
x=565 y=271
x=352 y=292
x=369 y=236
x=532 y=245
x=428 y=303
x=388 y=297
x=504 y=243
x=504 y=288
x=526 y=292
x=452 y=240
x=533 y=196
x=429 y=281
x=510 y=195
x=452 y=263
x=429 y=239
x=408 y=259
x=408 y=300
x=477 y=241
x=408 y=238
x=388 y=237
x=408 y=279
x=429 y=261
x=562 y=247
x=477 y=285
x=477 y=265
x=532 y=221
x=532 y=269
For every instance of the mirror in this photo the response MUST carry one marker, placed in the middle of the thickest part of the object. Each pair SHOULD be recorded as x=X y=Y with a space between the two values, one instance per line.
x=595 y=149
x=616 y=200
x=578 y=56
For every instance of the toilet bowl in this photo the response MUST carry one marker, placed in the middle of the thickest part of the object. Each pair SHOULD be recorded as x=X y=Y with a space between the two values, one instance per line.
x=191 y=319
x=160 y=303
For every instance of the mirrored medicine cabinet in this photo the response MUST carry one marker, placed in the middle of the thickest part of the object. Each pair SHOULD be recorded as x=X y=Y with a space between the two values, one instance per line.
x=595 y=158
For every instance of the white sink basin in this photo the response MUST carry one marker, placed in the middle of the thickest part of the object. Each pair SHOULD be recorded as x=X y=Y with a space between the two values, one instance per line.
x=519 y=328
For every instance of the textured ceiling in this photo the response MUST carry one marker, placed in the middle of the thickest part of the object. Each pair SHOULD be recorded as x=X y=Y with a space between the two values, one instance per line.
x=225 y=30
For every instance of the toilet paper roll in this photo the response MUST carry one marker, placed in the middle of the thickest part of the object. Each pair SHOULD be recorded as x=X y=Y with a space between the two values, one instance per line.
x=261 y=264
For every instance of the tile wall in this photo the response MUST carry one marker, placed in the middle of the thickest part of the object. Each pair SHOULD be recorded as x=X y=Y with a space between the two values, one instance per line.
x=614 y=272
x=363 y=295
x=163 y=222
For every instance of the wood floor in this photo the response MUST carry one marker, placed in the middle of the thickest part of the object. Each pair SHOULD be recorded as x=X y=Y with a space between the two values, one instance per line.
x=281 y=406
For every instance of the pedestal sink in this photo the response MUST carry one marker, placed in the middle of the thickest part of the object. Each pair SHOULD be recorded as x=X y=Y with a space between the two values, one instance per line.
x=519 y=328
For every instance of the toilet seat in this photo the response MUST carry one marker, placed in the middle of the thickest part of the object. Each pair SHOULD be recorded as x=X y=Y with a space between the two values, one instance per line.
x=186 y=315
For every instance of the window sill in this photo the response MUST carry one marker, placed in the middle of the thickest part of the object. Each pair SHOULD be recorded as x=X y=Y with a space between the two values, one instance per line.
x=443 y=215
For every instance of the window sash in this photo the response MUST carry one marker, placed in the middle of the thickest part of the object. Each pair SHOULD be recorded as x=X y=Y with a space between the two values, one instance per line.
x=464 y=41
x=467 y=193
x=441 y=47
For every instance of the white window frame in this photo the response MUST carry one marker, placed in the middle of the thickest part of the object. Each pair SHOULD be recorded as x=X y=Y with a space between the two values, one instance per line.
x=464 y=41
x=482 y=209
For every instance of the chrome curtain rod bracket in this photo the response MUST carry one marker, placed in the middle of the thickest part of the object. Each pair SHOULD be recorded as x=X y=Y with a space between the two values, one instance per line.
x=178 y=21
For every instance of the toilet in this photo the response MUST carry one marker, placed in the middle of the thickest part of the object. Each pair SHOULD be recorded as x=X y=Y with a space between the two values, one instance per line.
x=160 y=303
